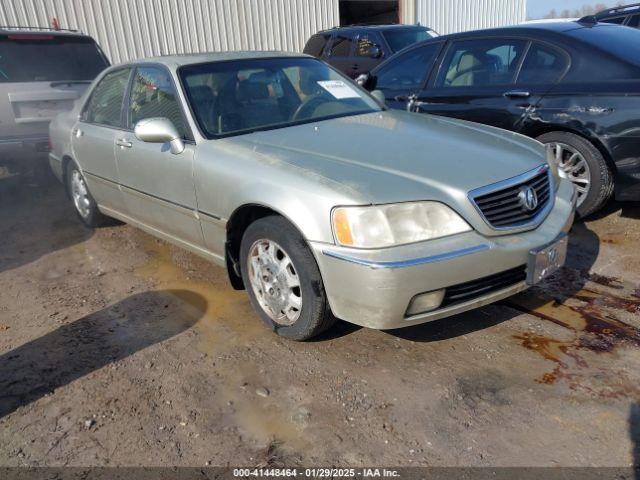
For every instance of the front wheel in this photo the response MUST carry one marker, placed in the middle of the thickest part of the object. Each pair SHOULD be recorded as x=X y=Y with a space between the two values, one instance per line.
x=580 y=162
x=283 y=280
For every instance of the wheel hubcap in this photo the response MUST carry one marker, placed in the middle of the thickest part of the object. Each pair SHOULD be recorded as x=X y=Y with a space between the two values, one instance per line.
x=573 y=166
x=275 y=282
x=80 y=194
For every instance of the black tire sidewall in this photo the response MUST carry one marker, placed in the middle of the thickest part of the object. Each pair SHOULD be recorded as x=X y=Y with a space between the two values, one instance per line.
x=313 y=316
x=601 y=186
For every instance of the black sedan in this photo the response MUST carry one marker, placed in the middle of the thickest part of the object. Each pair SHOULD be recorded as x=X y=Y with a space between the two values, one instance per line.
x=574 y=86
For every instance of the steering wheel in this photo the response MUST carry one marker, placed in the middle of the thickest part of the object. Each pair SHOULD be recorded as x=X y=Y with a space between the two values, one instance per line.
x=308 y=106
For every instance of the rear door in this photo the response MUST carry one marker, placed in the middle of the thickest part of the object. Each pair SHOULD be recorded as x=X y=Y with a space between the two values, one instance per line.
x=41 y=75
x=93 y=138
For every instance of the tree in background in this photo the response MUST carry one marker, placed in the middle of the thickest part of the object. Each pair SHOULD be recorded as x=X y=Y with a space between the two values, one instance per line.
x=579 y=12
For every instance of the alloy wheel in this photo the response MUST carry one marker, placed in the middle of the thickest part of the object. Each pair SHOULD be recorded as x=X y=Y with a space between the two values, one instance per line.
x=573 y=166
x=274 y=281
x=80 y=194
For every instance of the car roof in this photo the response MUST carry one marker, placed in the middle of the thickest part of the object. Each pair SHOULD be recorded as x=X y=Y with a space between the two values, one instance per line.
x=176 y=61
x=376 y=27
x=4 y=30
x=619 y=11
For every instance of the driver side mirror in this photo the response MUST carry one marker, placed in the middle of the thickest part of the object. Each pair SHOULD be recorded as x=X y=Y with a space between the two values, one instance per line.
x=367 y=81
x=159 y=130
x=374 y=51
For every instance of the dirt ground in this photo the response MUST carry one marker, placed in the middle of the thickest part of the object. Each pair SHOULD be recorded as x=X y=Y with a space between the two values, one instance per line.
x=118 y=349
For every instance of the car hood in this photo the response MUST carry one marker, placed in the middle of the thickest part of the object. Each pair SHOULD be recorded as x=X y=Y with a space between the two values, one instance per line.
x=394 y=156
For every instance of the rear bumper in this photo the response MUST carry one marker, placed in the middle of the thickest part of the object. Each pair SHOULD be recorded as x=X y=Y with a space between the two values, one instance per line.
x=375 y=288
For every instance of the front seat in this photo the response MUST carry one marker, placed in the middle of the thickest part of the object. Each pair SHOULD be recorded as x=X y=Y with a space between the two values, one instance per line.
x=470 y=70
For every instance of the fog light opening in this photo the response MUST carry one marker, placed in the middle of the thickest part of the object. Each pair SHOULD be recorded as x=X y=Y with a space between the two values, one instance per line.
x=425 y=302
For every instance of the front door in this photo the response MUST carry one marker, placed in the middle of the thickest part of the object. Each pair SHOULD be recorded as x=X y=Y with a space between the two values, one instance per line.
x=157 y=185
x=94 y=135
x=477 y=82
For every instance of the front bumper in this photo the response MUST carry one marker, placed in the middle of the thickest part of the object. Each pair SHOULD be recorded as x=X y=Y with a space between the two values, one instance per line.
x=374 y=288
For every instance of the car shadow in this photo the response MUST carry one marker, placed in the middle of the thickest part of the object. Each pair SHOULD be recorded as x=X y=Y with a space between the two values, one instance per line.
x=626 y=209
x=634 y=433
x=76 y=349
x=584 y=246
x=36 y=220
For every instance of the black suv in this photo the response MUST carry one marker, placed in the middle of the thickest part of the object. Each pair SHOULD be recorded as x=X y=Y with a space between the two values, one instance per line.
x=628 y=15
x=574 y=86
x=356 y=49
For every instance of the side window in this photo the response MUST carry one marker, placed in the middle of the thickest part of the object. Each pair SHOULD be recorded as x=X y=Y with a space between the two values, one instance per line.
x=615 y=20
x=341 y=46
x=153 y=95
x=480 y=63
x=409 y=70
x=105 y=104
x=542 y=65
x=366 y=46
x=316 y=44
x=634 y=21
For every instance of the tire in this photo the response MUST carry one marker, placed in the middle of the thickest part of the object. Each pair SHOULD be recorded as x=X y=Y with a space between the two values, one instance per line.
x=601 y=184
x=85 y=207
x=277 y=239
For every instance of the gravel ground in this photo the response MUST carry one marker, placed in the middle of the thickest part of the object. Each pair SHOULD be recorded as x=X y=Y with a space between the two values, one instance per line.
x=118 y=349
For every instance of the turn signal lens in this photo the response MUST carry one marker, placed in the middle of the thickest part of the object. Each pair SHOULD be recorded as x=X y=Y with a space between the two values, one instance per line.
x=342 y=227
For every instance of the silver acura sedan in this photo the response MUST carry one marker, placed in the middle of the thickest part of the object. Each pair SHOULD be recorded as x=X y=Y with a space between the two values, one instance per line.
x=314 y=196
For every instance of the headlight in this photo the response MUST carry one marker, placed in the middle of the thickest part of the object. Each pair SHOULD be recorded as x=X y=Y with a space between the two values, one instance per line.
x=395 y=224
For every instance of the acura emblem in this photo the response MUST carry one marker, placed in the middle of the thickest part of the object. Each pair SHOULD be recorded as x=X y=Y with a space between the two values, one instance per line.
x=528 y=198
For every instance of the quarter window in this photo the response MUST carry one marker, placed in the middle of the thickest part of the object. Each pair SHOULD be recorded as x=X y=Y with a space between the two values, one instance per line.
x=409 y=70
x=105 y=105
x=153 y=95
x=316 y=44
x=634 y=21
x=542 y=65
x=479 y=63
x=341 y=46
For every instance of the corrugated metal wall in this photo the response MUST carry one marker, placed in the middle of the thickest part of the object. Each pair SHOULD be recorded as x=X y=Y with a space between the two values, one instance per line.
x=450 y=16
x=128 y=29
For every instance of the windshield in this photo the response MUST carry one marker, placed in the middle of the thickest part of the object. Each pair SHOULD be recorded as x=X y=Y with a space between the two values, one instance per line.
x=399 y=38
x=47 y=58
x=229 y=98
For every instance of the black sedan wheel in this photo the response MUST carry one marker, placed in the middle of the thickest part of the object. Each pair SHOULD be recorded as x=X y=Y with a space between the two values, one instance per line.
x=582 y=163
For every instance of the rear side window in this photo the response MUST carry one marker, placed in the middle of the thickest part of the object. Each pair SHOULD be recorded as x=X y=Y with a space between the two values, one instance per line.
x=153 y=95
x=315 y=45
x=479 y=63
x=48 y=58
x=399 y=38
x=408 y=70
x=614 y=20
x=634 y=21
x=105 y=105
x=367 y=46
x=341 y=46
x=543 y=65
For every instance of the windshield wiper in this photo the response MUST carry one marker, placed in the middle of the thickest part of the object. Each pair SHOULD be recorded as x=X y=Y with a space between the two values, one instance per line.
x=69 y=82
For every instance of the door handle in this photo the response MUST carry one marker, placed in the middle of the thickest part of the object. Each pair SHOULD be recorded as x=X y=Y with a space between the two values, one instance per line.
x=124 y=143
x=517 y=94
x=77 y=132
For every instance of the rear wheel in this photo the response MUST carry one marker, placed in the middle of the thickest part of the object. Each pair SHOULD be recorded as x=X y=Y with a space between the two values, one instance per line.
x=582 y=163
x=84 y=203
x=283 y=280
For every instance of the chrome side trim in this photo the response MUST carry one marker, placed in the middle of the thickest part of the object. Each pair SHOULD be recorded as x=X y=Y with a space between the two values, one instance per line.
x=512 y=182
x=407 y=263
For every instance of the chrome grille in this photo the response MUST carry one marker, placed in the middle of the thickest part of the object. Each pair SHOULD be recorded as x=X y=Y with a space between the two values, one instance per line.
x=504 y=206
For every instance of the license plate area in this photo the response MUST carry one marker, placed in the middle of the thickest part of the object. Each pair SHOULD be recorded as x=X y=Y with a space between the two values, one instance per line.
x=547 y=260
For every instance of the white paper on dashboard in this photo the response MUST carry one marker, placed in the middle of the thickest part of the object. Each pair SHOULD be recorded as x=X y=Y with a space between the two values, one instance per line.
x=338 y=89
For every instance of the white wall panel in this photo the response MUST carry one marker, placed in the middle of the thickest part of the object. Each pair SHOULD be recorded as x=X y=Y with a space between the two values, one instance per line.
x=450 y=16
x=128 y=29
